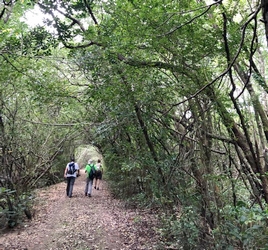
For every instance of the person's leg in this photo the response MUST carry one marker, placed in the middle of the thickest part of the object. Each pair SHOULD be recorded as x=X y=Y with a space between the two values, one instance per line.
x=99 y=180
x=95 y=185
x=96 y=179
x=68 y=186
x=87 y=184
x=89 y=187
x=72 y=180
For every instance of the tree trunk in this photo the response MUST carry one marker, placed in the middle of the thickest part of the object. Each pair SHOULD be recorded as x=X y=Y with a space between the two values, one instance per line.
x=242 y=142
x=264 y=5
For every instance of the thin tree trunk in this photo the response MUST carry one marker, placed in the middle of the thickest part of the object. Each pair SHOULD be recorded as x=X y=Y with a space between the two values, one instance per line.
x=264 y=5
x=241 y=141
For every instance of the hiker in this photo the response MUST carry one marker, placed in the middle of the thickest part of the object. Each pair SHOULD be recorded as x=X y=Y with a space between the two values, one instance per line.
x=98 y=174
x=90 y=170
x=71 y=171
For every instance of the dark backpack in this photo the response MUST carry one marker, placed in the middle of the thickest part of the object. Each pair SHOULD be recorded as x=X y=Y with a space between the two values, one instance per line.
x=71 y=168
x=92 y=172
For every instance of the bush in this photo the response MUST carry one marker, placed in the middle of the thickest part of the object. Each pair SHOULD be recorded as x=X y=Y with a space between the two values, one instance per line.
x=242 y=227
x=13 y=208
x=181 y=231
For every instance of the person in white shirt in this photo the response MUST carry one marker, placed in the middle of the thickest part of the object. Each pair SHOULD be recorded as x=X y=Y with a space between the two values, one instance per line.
x=71 y=172
x=98 y=174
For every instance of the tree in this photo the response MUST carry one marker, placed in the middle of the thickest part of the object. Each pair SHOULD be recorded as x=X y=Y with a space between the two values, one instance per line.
x=172 y=92
x=39 y=121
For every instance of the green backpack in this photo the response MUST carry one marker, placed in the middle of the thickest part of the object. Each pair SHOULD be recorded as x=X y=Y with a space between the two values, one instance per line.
x=92 y=172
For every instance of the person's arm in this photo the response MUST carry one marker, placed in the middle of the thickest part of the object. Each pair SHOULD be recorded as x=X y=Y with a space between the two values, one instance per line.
x=65 y=173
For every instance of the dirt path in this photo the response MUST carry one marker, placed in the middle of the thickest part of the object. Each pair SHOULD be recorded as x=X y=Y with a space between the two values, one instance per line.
x=80 y=222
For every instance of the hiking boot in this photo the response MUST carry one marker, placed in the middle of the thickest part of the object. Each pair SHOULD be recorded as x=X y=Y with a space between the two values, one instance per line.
x=89 y=195
x=85 y=194
x=97 y=188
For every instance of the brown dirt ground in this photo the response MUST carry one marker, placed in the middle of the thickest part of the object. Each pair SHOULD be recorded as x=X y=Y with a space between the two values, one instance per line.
x=97 y=223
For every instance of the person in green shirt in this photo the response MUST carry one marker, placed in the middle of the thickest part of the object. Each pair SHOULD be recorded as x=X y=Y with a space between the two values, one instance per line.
x=90 y=170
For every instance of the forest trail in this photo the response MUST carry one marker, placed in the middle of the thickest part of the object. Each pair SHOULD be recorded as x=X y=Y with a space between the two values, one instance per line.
x=96 y=223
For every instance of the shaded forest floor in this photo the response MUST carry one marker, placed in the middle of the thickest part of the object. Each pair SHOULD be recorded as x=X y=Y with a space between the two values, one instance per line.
x=99 y=222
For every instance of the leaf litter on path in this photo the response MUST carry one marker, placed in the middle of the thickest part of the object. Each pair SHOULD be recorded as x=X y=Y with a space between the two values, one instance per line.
x=96 y=223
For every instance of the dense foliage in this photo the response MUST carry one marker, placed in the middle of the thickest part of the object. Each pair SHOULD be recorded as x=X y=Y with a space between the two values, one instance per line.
x=172 y=93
